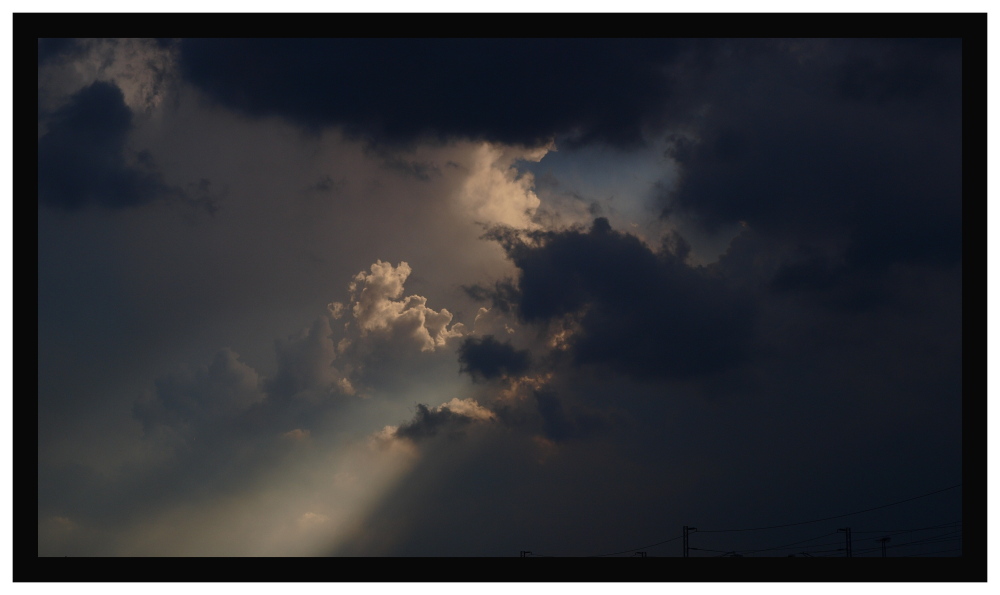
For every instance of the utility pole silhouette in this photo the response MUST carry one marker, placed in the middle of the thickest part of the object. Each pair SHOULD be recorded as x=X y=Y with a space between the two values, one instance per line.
x=883 y=542
x=847 y=531
x=685 y=533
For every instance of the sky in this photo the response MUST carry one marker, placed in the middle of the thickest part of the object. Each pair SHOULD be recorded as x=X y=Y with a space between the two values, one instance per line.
x=480 y=297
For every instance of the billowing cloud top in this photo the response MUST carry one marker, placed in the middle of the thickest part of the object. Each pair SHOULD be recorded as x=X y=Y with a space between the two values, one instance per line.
x=379 y=307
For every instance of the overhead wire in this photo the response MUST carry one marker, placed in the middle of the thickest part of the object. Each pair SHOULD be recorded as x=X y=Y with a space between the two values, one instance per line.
x=899 y=531
x=701 y=549
x=923 y=541
x=628 y=551
x=636 y=549
x=831 y=517
x=788 y=545
x=932 y=553
x=928 y=541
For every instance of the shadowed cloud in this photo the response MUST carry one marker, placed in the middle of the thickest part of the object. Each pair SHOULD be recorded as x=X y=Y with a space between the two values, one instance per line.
x=449 y=419
x=507 y=90
x=487 y=358
x=82 y=158
x=643 y=313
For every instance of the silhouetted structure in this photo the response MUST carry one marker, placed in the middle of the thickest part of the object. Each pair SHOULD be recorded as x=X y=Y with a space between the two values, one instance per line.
x=847 y=531
x=685 y=535
x=883 y=542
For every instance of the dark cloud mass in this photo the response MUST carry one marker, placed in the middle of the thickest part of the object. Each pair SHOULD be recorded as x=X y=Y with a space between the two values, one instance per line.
x=82 y=159
x=427 y=423
x=488 y=358
x=643 y=313
x=560 y=425
x=856 y=143
x=502 y=295
x=52 y=48
x=506 y=90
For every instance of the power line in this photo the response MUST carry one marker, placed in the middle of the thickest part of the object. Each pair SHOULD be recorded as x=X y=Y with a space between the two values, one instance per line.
x=839 y=549
x=821 y=544
x=788 y=545
x=832 y=517
x=900 y=531
x=629 y=551
x=940 y=539
x=936 y=539
x=701 y=549
x=931 y=553
x=635 y=549
x=809 y=548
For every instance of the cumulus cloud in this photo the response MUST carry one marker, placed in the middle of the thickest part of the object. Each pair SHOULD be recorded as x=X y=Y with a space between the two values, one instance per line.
x=378 y=307
x=638 y=311
x=449 y=419
x=316 y=369
x=495 y=193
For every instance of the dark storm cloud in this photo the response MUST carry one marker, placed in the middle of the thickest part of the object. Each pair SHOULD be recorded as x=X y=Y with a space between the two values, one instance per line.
x=560 y=424
x=849 y=142
x=507 y=90
x=55 y=47
x=427 y=423
x=502 y=295
x=821 y=279
x=640 y=312
x=82 y=158
x=488 y=358
x=905 y=70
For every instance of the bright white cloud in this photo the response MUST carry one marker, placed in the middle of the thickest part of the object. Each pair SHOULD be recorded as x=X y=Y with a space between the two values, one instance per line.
x=378 y=306
x=495 y=191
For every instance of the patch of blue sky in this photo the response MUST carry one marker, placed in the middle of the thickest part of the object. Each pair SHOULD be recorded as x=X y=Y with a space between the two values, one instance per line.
x=628 y=187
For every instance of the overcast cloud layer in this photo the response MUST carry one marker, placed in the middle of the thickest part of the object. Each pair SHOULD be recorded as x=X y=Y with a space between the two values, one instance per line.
x=476 y=297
